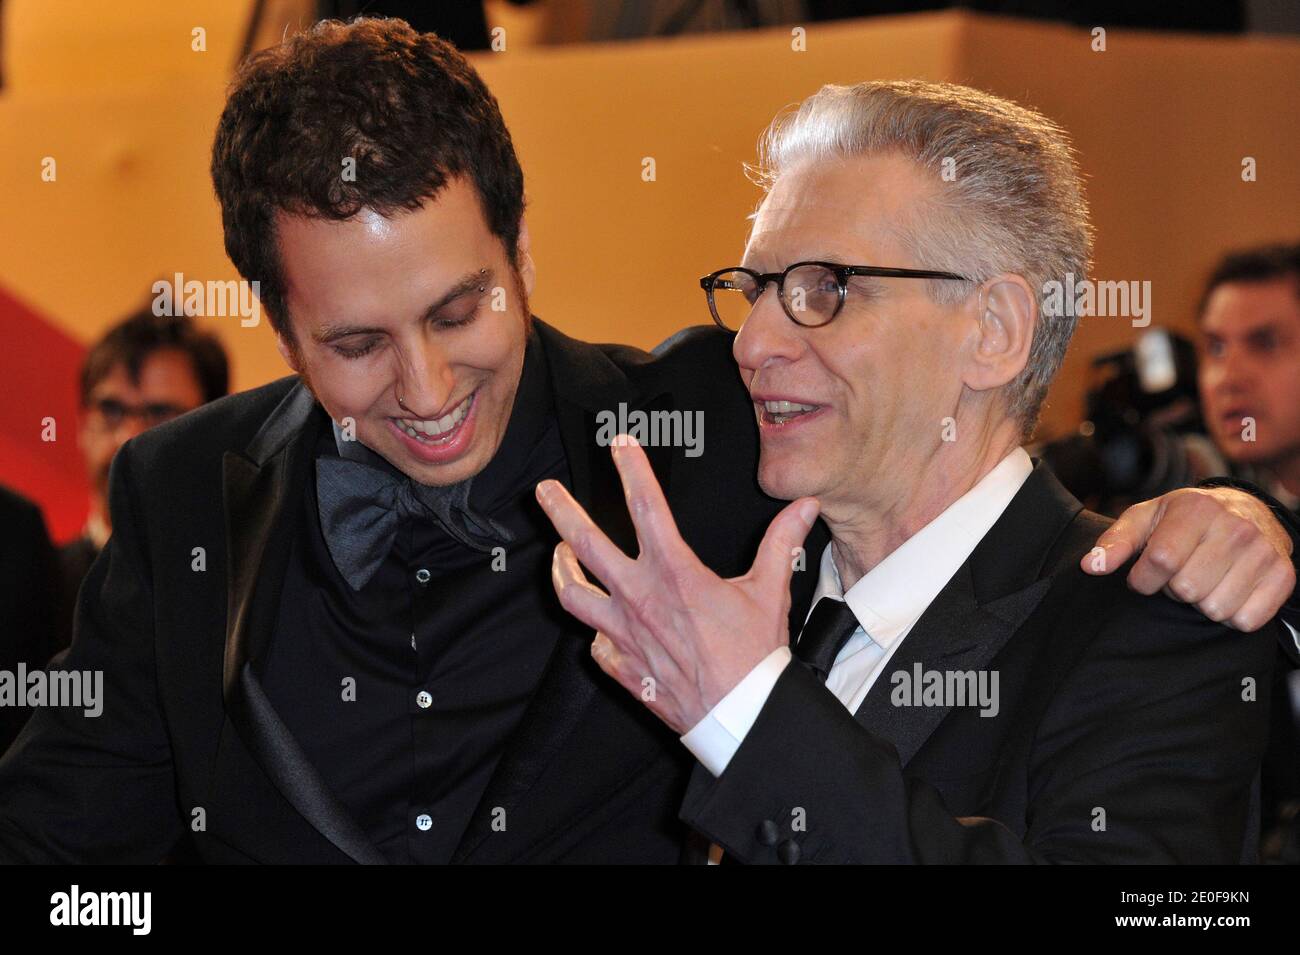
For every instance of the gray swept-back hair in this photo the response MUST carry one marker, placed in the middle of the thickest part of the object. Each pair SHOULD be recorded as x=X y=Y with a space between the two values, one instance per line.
x=1015 y=201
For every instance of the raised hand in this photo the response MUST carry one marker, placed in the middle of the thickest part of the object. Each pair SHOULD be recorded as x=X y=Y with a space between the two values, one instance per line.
x=670 y=630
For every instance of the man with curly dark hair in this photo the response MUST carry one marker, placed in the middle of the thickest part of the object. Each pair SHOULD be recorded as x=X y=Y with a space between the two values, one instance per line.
x=325 y=618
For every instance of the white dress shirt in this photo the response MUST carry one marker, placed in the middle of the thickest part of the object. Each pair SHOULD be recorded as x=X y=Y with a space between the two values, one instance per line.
x=887 y=602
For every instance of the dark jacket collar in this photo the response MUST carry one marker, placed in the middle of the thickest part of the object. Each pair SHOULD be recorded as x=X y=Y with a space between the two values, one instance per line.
x=979 y=609
x=584 y=382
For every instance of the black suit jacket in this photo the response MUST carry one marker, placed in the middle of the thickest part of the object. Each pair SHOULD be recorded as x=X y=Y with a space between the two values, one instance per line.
x=75 y=558
x=29 y=587
x=1122 y=734
x=187 y=733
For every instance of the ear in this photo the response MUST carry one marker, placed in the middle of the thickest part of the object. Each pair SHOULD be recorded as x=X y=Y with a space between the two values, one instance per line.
x=524 y=256
x=1008 y=313
x=287 y=351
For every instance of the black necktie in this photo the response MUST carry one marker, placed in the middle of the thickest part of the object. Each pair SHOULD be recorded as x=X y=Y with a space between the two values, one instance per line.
x=829 y=627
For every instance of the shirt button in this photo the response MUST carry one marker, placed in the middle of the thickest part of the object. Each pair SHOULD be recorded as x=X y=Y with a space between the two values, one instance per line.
x=423 y=700
x=424 y=822
x=422 y=575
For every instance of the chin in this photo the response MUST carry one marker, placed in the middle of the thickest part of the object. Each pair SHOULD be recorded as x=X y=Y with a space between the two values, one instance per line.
x=438 y=475
x=1247 y=452
x=442 y=475
x=784 y=481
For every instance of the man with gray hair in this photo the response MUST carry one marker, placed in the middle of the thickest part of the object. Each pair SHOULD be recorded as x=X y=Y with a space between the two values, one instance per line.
x=961 y=689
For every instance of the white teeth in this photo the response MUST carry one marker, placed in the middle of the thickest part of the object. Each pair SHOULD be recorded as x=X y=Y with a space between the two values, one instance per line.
x=785 y=407
x=422 y=430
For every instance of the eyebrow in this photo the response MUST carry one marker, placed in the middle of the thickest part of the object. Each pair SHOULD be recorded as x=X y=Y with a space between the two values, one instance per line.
x=1267 y=328
x=822 y=256
x=467 y=283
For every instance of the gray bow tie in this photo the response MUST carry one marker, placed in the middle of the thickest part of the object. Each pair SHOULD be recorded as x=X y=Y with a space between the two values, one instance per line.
x=362 y=506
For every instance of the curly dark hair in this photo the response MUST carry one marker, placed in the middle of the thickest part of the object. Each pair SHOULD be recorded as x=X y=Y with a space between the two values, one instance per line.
x=406 y=106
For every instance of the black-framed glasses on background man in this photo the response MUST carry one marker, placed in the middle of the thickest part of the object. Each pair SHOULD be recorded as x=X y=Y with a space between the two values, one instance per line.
x=812 y=293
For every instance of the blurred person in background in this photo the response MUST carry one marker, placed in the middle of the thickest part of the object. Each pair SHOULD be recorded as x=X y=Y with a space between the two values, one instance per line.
x=1142 y=434
x=1225 y=411
x=1171 y=412
x=145 y=370
x=1249 y=371
x=1249 y=378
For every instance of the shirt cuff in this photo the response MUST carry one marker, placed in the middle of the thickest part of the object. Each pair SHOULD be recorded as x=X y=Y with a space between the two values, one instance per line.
x=715 y=739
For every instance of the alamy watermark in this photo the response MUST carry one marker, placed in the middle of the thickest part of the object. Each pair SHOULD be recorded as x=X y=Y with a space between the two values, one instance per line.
x=677 y=429
x=75 y=907
x=74 y=688
x=211 y=299
x=948 y=688
x=1086 y=298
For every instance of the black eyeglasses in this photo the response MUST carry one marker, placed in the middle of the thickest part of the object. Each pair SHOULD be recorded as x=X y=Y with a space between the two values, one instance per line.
x=812 y=293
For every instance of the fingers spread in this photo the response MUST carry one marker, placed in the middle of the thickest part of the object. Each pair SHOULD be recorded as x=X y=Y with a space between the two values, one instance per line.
x=578 y=595
x=655 y=528
x=610 y=659
x=577 y=528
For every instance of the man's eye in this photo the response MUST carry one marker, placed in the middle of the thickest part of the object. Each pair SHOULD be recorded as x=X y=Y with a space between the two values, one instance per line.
x=457 y=314
x=357 y=352
x=163 y=412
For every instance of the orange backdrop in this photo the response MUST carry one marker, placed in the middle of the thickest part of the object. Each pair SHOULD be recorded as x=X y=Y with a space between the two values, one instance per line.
x=126 y=107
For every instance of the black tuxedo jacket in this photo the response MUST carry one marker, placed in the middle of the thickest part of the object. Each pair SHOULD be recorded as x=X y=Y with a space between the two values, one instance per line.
x=29 y=588
x=1122 y=734
x=188 y=740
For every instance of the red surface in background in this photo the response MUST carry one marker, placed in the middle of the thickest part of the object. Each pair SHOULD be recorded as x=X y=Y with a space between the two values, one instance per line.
x=38 y=379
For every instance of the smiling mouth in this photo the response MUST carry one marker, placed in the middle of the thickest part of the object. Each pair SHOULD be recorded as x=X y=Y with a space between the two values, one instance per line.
x=781 y=412
x=437 y=430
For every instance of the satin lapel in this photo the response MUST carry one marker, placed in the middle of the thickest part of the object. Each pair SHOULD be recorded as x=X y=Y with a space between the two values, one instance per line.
x=978 y=611
x=584 y=382
x=954 y=633
x=260 y=489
